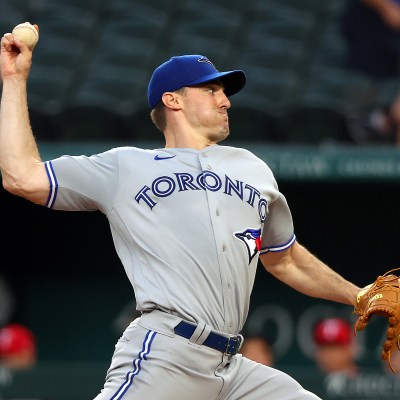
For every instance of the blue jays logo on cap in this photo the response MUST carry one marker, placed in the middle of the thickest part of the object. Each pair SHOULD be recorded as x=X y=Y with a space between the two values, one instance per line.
x=205 y=60
x=190 y=70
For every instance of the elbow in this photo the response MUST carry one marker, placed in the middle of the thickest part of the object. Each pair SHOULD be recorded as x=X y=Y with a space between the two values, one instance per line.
x=12 y=186
x=16 y=187
x=31 y=185
x=278 y=263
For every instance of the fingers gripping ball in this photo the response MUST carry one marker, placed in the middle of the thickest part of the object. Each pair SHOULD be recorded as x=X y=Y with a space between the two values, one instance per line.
x=27 y=33
x=381 y=298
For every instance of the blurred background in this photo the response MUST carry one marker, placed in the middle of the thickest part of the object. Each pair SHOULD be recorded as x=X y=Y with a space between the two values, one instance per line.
x=327 y=128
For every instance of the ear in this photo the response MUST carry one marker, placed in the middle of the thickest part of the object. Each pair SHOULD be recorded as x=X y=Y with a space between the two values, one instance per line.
x=171 y=100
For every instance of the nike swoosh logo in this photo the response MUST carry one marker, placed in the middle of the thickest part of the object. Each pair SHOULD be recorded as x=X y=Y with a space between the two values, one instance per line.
x=158 y=158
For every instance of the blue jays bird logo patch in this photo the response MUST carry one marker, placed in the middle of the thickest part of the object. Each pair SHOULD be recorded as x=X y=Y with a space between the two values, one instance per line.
x=252 y=240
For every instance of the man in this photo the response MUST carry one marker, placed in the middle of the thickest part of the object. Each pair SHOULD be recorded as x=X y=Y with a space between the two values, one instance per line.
x=335 y=347
x=17 y=347
x=259 y=349
x=371 y=29
x=18 y=352
x=189 y=222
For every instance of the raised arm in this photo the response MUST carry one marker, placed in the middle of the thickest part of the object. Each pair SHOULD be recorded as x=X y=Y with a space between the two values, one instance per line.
x=22 y=170
x=301 y=270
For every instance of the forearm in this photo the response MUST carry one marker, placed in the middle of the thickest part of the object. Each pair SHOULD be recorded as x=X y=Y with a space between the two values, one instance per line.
x=19 y=154
x=306 y=273
x=378 y=5
x=388 y=10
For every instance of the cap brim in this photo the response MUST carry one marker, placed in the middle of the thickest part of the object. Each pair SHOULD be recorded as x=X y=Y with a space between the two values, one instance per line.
x=233 y=81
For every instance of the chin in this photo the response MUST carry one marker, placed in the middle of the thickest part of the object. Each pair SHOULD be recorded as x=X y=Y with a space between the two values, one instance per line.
x=219 y=136
x=225 y=131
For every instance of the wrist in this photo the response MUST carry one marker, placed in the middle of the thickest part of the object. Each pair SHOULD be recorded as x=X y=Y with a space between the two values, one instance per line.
x=14 y=86
x=15 y=79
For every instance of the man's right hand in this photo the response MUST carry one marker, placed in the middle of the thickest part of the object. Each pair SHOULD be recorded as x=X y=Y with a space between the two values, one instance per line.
x=15 y=57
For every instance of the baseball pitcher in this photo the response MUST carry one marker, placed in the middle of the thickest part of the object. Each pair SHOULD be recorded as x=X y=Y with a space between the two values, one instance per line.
x=189 y=222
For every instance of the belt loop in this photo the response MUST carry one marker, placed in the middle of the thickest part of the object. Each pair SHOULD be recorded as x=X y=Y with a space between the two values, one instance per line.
x=241 y=341
x=204 y=334
x=197 y=334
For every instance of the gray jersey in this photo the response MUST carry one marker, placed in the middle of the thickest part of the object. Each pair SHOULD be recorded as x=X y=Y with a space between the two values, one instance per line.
x=188 y=225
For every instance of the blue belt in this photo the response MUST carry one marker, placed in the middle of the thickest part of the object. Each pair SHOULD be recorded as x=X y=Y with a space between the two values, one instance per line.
x=228 y=345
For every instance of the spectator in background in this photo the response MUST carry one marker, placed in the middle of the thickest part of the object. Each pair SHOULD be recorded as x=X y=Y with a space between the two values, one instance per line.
x=18 y=352
x=335 y=347
x=371 y=29
x=17 y=347
x=258 y=348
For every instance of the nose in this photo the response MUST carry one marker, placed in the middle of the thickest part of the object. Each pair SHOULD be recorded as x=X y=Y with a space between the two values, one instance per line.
x=224 y=101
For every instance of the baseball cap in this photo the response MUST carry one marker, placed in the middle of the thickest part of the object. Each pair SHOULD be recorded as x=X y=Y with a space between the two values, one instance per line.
x=189 y=70
x=333 y=331
x=15 y=338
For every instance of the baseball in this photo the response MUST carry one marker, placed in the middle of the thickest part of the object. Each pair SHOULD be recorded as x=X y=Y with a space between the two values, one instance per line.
x=27 y=33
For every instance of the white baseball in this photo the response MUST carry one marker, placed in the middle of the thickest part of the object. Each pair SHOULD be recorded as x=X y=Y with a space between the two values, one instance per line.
x=27 y=33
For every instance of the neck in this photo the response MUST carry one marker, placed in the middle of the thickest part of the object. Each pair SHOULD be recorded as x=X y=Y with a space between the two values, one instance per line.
x=186 y=138
x=190 y=143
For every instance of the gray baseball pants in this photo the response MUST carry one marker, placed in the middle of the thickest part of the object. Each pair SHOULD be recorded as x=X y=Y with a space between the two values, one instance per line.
x=151 y=362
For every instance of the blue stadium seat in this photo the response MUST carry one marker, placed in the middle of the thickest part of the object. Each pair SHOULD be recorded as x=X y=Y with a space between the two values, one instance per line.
x=85 y=123
x=100 y=53
x=120 y=89
x=13 y=13
x=116 y=76
x=48 y=87
x=219 y=9
x=130 y=36
x=250 y=124
x=223 y=11
x=63 y=52
x=315 y=126
x=212 y=38
x=338 y=89
x=141 y=127
x=315 y=7
x=275 y=53
x=58 y=8
x=154 y=10
x=267 y=89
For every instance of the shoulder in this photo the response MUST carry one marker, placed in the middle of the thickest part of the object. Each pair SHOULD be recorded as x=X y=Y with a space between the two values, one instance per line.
x=240 y=151
x=125 y=153
x=251 y=164
x=111 y=158
x=240 y=154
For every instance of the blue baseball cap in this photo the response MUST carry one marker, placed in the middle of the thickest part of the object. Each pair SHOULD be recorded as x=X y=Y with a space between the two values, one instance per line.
x=189 y=70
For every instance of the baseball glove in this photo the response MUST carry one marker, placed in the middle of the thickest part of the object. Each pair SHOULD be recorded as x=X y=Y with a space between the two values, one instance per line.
x=382 y=297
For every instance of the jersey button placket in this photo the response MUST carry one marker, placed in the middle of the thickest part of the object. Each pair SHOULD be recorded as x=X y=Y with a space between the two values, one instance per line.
x=215 y=211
